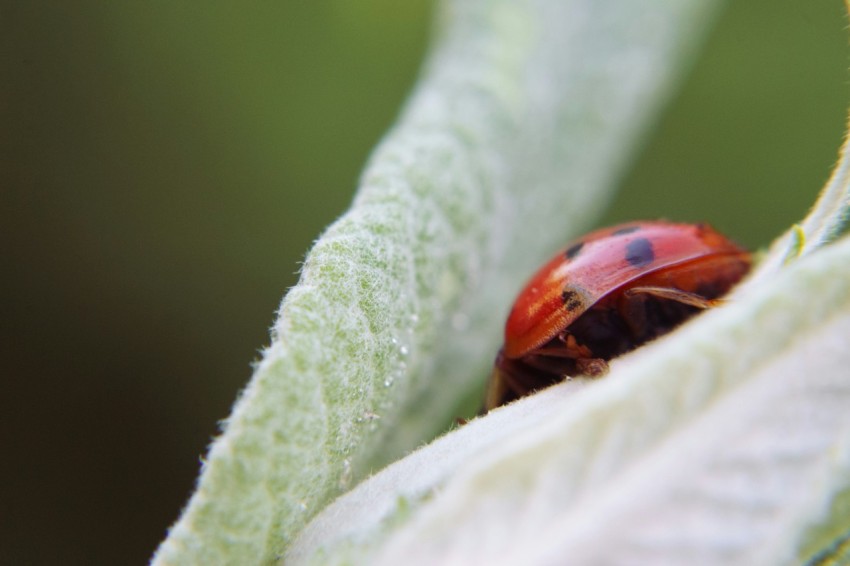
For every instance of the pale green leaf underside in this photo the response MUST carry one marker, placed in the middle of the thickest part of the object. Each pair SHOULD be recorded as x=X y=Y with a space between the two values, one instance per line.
x=523 y=117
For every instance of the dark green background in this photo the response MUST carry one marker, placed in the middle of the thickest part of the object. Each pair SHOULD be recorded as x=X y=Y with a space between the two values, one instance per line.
x=164 y=167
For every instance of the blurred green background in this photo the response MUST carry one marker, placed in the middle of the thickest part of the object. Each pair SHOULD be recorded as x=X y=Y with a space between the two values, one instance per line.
x=164 y=167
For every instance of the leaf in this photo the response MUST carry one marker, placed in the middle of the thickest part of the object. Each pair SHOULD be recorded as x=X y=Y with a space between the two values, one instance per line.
x=727 y=441
x=716 y=444
x=523 y=117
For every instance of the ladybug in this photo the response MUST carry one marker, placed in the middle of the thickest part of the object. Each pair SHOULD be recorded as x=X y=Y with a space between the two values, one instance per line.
x=606 y=294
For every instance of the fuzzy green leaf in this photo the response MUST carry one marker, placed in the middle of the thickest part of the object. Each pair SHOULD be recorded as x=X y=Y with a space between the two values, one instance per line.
x=523 y=117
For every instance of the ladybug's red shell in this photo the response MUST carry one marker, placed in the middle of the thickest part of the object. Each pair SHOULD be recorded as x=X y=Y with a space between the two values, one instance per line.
x=596 y=272
x=602 y=262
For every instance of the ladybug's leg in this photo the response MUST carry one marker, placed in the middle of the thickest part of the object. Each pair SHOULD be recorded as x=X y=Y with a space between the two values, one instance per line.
x=497 y=390
x=586 y=364
x=565 y=347
x=636 y=308
x=691 y=299
x=560 y=365
x=507 y=382
x=592 y=367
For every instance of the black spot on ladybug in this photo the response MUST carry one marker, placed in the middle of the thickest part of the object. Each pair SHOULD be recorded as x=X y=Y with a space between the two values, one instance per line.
x=639 y=252
x=572 y=300
x=574 y=250
x=626 y=230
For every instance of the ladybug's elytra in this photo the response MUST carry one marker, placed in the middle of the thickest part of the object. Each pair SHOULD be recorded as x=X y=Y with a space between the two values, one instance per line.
x=608 y=293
